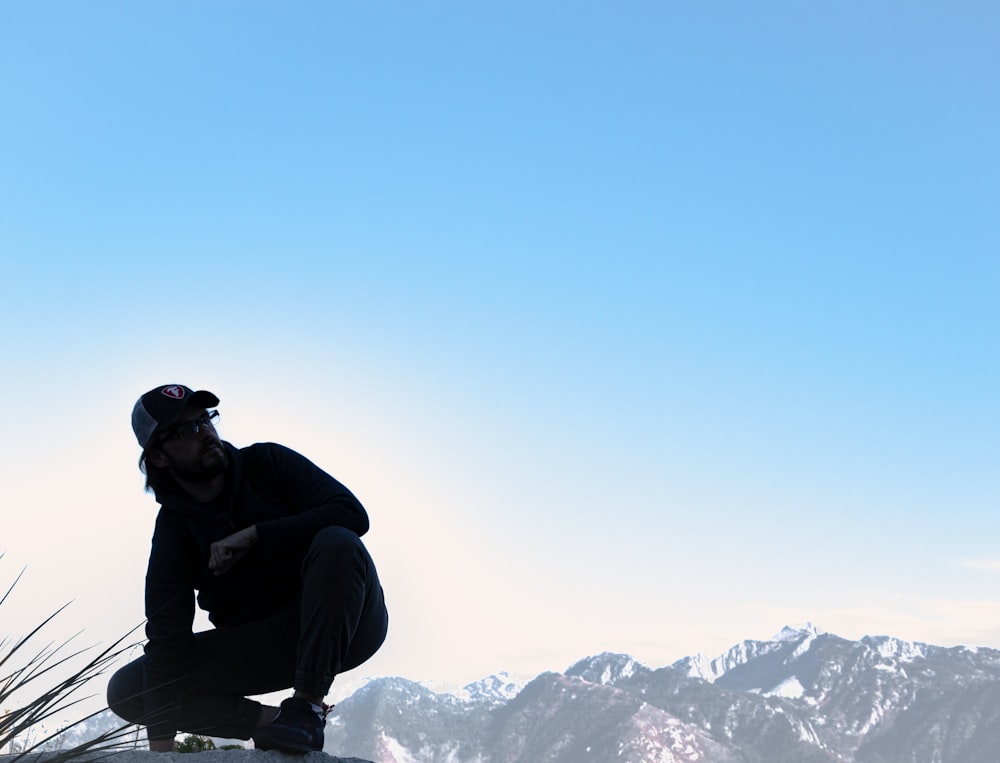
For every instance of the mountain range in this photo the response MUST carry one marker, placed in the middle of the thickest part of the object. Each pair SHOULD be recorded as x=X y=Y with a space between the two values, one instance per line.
x=804 y=696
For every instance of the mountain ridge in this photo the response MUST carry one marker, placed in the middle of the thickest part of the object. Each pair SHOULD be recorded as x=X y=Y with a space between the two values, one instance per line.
x=804 y=696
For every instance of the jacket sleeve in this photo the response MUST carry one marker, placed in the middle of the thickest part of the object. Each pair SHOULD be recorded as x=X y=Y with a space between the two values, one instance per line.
x=170 y=581
x=312 y=499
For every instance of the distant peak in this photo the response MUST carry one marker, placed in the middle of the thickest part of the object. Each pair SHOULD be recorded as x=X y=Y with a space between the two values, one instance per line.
x=605 y=668
x=794 y=632
x=696 y=666
x=496 y=688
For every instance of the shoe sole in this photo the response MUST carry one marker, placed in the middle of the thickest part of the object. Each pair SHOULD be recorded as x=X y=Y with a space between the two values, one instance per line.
x=286 y=748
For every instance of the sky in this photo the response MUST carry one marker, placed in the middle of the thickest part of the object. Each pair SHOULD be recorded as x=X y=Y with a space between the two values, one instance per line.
x=642 y=327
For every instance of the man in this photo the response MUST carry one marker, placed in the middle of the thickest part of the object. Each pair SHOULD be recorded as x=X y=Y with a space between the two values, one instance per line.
x=272 y=545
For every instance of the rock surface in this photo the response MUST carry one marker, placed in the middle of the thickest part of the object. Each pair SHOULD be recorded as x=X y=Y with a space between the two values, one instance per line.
x=207 y=756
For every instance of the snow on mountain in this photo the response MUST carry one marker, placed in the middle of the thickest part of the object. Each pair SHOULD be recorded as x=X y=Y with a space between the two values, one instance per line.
x=696 y=666
x=790 y=688
x=606 y=668
x=796 y=632
x=496 y=689
x=799 y=637
x=904 y=651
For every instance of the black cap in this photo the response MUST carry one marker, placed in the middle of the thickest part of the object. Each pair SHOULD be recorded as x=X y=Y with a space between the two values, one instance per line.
x=160 y=407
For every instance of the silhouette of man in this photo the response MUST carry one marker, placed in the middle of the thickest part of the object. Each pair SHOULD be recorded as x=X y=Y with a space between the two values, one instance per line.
x=272 y=545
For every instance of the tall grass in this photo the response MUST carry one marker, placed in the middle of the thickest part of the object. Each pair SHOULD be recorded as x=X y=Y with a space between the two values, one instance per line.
x=39 y=683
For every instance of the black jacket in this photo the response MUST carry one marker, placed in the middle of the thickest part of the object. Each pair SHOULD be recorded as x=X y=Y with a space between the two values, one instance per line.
x=289 y=499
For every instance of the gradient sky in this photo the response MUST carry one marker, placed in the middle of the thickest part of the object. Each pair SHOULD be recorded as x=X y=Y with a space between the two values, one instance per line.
x=638 y=326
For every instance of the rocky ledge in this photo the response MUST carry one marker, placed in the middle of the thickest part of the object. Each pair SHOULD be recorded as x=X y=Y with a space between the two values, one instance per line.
x=207 y=756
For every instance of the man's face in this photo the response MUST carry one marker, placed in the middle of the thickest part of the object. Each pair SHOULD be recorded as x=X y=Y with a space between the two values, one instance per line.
x=191 y=455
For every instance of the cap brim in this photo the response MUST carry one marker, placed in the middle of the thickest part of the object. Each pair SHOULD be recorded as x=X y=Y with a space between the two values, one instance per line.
x=203 y=398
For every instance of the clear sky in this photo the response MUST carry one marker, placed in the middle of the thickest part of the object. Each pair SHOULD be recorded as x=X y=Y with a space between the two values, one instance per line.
x=637 y=326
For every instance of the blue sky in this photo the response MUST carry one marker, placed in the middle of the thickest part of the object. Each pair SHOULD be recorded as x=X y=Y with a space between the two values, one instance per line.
x=637 y=327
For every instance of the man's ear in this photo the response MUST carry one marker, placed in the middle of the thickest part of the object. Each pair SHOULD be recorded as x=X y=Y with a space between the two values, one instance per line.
x=157 y=458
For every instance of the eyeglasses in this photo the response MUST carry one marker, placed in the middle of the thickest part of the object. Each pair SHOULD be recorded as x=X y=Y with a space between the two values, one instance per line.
x=188 y=429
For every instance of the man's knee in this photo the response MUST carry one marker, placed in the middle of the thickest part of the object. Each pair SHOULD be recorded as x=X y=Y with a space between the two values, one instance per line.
x=337 y=538
x=124 y=693
x=339 y=549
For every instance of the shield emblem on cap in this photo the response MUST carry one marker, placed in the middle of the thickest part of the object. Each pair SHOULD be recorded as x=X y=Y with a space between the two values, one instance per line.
x=175 y=391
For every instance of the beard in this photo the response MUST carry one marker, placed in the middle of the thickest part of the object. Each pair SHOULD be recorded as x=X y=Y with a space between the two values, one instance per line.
x=208 y=465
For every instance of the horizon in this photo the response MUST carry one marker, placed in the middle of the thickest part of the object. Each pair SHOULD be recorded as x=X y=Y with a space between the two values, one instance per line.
x=639 y=329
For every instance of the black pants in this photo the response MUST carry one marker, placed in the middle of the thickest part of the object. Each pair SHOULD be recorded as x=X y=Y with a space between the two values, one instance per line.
x=337 y=622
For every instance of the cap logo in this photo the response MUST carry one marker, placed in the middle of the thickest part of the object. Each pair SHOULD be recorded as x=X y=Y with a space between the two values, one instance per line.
x=175 y=391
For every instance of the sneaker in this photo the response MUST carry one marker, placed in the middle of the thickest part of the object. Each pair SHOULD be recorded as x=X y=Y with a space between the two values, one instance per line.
x=296 y=728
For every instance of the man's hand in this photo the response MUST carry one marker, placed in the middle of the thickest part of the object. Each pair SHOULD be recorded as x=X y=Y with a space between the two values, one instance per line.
x=223 y=554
